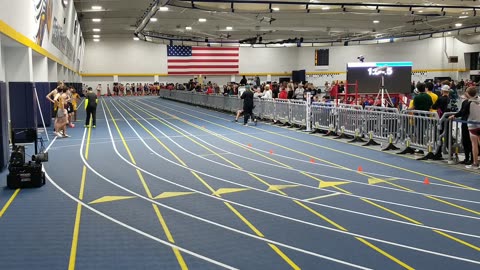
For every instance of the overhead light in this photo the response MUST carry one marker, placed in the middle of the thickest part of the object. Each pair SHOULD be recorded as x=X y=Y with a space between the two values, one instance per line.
x=449 y=33
x=245 y=45
x=96 y=20
x=96 y=36
x=275 y=8
x=463 y=17
x=153 y=19
x=96 y=7
x=136 y=38
x=420 y=11
x=376 y=21
x=188 y=28
x=458 y=25
x=202 y=20
x=96 y=40
x=325 y=8
x=163 y=9
x=229 y=28
x=96 y=30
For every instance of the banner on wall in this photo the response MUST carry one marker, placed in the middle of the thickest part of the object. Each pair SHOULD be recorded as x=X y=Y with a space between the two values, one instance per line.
x=61 y=41
x=43 y=19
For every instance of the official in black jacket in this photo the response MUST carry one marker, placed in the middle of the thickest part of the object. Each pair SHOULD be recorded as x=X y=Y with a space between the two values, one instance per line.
x=247 y=97
x=91 y=107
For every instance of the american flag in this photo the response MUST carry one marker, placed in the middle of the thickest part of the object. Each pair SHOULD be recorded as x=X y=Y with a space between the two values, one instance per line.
x=187 y=60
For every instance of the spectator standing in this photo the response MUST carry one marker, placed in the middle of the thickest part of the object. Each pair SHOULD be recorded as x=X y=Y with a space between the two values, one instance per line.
x=91 y=108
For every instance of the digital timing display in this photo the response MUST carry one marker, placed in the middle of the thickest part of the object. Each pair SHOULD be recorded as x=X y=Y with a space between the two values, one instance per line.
x=397 y=76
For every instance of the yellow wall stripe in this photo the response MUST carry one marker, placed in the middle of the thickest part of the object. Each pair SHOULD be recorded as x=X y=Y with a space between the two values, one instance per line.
x=20 y=38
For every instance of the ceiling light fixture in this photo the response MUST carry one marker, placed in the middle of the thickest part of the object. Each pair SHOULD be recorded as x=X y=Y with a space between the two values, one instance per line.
x=325 y=8
x=376 y=21
x=420 y=11
x=202 y=20
x=463 y=17
x=275 y=8
x=163 y=9
x=229 y=28
x=188 y=28
x=96 y=40
x=153 y=19
x=96 y=20
x=96 y=36
x=96 y=30
x=96 y=7
x=458 y=25
x=136 y=39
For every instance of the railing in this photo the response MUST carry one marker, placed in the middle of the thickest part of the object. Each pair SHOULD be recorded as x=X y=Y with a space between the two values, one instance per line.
x=421 y=130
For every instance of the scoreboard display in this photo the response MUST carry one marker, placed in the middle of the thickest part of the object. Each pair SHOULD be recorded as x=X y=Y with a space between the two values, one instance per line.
x=397 y=76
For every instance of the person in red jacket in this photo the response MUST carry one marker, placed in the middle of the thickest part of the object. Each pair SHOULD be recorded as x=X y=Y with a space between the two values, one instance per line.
x=283 y=94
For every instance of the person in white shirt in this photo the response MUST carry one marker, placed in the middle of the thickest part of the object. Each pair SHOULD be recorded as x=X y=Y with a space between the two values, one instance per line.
x=267 y=93
x=299 y=92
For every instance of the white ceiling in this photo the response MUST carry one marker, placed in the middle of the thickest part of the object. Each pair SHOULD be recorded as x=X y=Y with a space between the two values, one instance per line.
x=349 y=20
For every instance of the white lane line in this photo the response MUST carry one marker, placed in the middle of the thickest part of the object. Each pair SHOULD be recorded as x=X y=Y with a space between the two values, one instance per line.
x=265 y=212
x=138 y=231
x=303 y=185
x=324 y=165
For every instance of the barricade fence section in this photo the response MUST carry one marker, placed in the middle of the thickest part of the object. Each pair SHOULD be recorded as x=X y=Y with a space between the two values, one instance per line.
x=421 y=130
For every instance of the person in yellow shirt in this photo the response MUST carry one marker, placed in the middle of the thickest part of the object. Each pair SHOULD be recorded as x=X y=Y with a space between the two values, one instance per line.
x=75 y=99
x=429 y=91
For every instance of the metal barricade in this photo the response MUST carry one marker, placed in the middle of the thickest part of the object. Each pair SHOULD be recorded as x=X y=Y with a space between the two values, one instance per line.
x=257 y=107
x=298 y=112
x=282 y=111
x=381 y=123
x=419 y=128
x=324 y=116
x=268 y=109
x=350 y=119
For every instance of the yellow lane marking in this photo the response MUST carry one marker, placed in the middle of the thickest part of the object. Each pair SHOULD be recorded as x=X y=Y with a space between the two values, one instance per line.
x=404 y=265
x=393 y=212
x=454 y=205
x=325 y=184
x=78 y=215
x=105 y=199
x=381 y=207
x=376 y=180
x=159 y=215
x=336 y=225
x=458 y=240
x=222 y=191
x=284 y=257
x=5 y=207
x=371 y=160
x=76 y=230
x=165 y=195
x=280 y=187
x=299 y=203
x=235 y=211
x=323 y=196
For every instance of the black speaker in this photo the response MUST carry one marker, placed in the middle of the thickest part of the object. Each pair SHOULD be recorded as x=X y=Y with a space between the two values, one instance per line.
x=298 y=76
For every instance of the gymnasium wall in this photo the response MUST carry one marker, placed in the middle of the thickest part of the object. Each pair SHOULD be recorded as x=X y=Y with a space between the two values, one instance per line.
x=137 y=58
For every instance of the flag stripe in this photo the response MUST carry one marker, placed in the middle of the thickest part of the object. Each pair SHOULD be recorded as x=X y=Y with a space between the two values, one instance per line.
x=202 y=66
x=202 y=60
x=186 y=60
x=215 y=48
x=203 y=73
x=214 y=54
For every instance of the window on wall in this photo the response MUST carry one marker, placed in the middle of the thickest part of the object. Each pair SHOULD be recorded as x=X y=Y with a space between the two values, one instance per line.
x=322 y=57
x=475 y=61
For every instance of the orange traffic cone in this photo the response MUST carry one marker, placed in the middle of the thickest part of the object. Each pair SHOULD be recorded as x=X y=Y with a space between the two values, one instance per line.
x=312 y=160
x=426 y=181
x=360 y=169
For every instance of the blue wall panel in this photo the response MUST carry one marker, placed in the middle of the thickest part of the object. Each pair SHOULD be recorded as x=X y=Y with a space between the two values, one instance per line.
x=23 y=107
x=42 y=90
x=4 y=153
